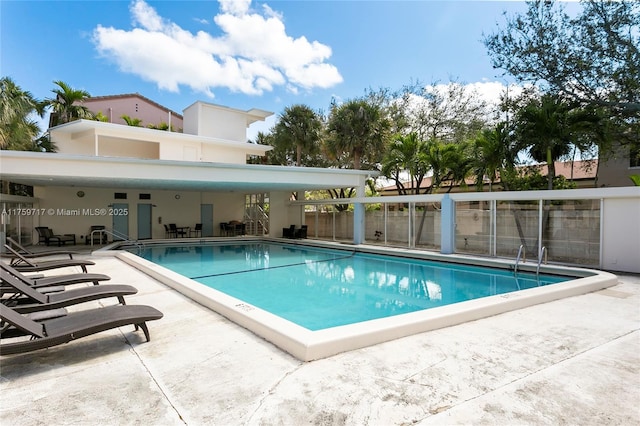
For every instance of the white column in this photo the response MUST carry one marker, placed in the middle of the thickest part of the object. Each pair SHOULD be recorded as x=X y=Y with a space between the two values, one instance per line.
x=358 y=214
x=448 y=225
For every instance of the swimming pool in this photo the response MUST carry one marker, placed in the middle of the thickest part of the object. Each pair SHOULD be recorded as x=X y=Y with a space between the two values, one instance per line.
x=328 y=309
x=319 y=288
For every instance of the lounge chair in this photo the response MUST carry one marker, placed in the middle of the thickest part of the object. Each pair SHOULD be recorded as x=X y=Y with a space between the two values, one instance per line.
x=47 y=236
x=29 y=254
x=23 y=264
x=26 y=299
x=55 y=280
x=56 y=331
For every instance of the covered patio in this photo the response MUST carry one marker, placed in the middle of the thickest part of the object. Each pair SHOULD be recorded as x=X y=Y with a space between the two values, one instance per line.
x=73 y=193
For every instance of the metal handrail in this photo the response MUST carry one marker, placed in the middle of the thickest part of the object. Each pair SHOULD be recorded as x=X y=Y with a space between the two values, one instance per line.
x=543 y=253
x=116 y=234
x=522 y=251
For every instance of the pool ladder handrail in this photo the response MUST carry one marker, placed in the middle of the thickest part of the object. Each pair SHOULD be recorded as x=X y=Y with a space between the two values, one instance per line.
x=543 y=253
x=522 y=253
x=139 y=246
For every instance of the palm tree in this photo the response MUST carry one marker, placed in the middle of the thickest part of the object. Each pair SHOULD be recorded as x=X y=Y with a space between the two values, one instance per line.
x=272 y=157
x=359 y=128
x=300 y=127
x=457 y=162
x=549 y=127
x=66 y=106
x=135 y=122
x=17 y=130
x=492 y=154
x=407 y=154
x=101 y=117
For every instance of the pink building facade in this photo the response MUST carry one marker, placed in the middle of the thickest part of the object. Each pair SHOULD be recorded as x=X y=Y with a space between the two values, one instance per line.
x=135 y=106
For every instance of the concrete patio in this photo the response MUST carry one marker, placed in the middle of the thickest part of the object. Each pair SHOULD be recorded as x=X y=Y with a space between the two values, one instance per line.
x=574 y=361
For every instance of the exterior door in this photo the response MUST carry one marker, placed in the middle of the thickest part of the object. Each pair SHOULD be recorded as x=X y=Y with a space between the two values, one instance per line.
x=144 y=221
x=120 y=222
x=206 y=218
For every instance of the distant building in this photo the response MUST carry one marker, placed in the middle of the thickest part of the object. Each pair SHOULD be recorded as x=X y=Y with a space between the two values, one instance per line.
x=616 y=169
x=133 y=105
x=582 y=173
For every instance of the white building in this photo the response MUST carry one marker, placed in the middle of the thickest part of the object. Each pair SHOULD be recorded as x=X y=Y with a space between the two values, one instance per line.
x=102 y=170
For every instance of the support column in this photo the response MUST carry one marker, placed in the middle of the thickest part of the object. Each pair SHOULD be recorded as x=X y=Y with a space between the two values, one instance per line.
x=358 y=214
x=448 y=225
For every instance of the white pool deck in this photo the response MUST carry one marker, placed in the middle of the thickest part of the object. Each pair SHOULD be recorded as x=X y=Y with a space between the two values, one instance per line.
x=569 y=361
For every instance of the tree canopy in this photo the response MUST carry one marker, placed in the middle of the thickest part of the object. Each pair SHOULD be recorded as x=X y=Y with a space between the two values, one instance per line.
x=592 y=59
x=18 y=129
x=298 y=130
x=359 y=128
x=67 y=105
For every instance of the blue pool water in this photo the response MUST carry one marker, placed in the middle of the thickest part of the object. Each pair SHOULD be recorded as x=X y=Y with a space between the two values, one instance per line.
x=319 y=288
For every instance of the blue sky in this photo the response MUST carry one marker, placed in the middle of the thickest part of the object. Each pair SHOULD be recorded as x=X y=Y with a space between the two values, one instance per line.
x=244 y=54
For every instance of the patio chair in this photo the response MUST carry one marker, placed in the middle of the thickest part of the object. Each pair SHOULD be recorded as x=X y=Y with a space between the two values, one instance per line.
x=27 y=265
x=47 y=236
x=301 y=233
x=26 y=299
x=196 y=231
x=289 y=232
x=55 y=280
x=57 y=331
x=29 y=254
x=168 y=233
x=179 y=232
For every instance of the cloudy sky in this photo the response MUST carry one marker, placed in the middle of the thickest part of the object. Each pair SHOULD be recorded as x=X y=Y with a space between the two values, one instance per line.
x=246 y=54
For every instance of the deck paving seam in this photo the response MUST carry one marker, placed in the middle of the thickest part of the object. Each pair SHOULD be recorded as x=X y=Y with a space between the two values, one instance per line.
x=536 y=372
x=153 y=379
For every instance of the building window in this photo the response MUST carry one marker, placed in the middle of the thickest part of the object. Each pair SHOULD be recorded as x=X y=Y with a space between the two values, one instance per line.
x=120 y=196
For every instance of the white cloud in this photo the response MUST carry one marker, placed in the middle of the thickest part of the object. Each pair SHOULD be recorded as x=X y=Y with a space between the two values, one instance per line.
x=490 y=91
x=255 y=54
x=235 y=7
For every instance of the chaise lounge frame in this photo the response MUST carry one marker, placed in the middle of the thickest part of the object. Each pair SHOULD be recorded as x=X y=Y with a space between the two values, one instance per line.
x=57 y=331
x=22 y=264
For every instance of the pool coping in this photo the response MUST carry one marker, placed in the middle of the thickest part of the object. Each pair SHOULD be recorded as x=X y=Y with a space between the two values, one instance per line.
x=308 y=345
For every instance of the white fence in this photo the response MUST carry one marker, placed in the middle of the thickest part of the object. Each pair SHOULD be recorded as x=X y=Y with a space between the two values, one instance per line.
x=588 y=227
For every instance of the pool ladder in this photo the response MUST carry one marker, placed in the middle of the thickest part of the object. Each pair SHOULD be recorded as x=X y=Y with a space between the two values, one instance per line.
x=541 y=255
x=522 y=253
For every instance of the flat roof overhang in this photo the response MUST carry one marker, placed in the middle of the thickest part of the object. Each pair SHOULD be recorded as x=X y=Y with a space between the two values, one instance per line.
x=88 y=130
x=52 y=169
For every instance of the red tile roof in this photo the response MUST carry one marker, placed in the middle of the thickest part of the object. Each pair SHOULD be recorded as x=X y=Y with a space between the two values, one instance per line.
x=581 y=170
